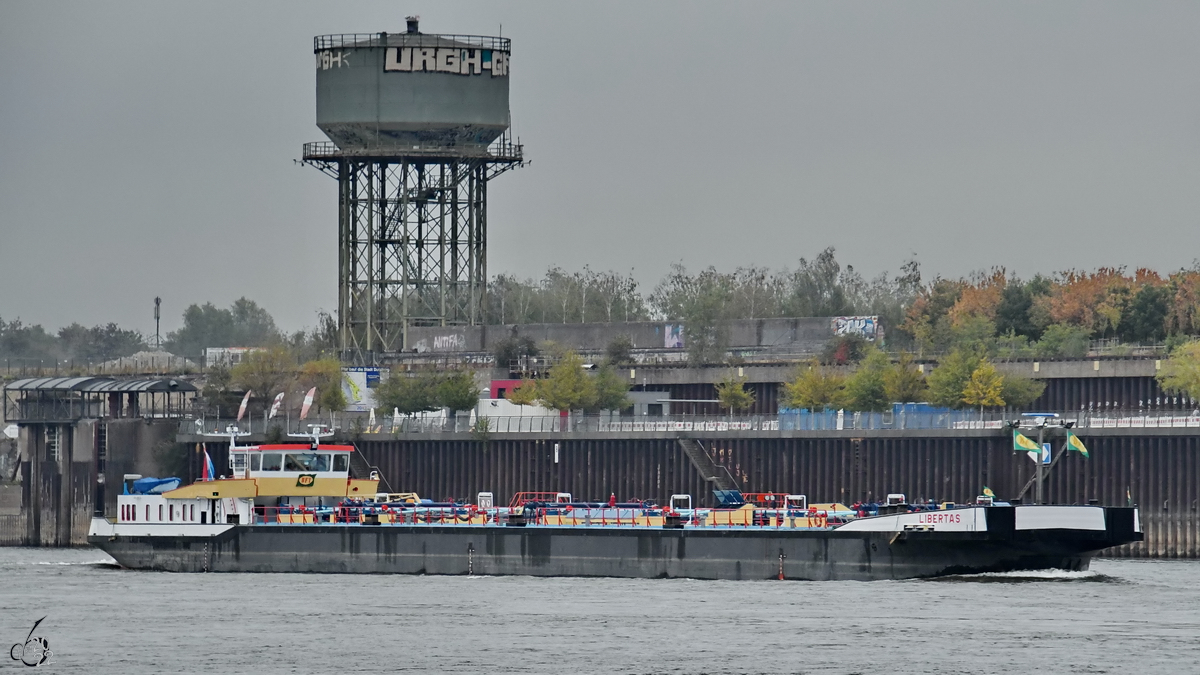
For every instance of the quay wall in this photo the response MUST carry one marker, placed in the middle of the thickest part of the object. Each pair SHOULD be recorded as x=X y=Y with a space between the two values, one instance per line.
x=1158 y=471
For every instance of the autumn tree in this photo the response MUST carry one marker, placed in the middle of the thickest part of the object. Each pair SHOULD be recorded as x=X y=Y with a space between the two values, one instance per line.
x=407 y=393
x=866 y=388
x=265 y=372
x=457 y=391
x=813 y=388
x=948 y=381
x=903 y=382
x=524 y=393
x=732 y=393
x=567 y=386
x=1019 y=391
x=326 y=375
x=1145 y=319
x=612 y=390
x=1181 y=372
x=984 y=388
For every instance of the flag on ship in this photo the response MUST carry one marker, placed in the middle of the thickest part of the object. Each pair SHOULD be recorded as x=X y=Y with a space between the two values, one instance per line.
x=275 y=406
x=1073 y=443
x=210 y=472
x=1023 y=442
x=987 y=492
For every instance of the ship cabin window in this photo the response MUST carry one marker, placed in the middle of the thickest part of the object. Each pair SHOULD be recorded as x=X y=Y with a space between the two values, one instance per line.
x=341 y=462
x=160 y=513
x=256 y=462
x=191 y=513
x=272 y=461
x=308 y=461
x=147 y=513
x=171 y=513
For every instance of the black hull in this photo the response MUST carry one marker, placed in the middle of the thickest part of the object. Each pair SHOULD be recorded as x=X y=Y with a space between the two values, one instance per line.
x=635 y=553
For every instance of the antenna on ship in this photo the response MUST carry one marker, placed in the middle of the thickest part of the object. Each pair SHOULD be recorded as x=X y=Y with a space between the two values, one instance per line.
x=232 y=432
x=315 y=433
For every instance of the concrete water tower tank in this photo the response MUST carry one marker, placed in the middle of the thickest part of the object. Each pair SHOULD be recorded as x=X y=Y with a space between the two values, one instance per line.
x=388 y=89
x=419 y=126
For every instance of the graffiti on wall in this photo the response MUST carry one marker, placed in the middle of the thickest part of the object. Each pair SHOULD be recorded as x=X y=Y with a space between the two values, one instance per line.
x=454 y=342
x=866 y=326
x=673 y=336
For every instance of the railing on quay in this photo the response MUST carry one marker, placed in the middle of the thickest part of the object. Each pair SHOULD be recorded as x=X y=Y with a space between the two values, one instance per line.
x=354 y=425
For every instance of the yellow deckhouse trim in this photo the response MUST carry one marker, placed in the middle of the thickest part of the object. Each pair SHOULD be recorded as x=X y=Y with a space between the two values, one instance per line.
x=244 y=488
x=248 y=488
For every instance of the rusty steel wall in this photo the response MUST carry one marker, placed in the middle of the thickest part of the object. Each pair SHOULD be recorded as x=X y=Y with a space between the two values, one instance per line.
x=1159 y=473
x=1126 y=393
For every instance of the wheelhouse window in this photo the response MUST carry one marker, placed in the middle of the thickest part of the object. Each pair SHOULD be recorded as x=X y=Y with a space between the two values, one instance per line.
x=308 y=461
x=272 y=461
x=341 y=461
x=256 y=461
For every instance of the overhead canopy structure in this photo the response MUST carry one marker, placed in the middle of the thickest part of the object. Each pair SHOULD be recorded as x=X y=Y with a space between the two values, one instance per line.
x=67 y=399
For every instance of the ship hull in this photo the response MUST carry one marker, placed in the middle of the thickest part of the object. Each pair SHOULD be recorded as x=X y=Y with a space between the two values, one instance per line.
x=697 y=553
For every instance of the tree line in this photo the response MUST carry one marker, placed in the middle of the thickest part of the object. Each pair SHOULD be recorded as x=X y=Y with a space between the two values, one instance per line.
x=1045 y=316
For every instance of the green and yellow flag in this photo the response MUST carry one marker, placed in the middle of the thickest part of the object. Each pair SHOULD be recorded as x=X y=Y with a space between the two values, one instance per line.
x=1023 y=442
x=1073 y=443
x=987 y=492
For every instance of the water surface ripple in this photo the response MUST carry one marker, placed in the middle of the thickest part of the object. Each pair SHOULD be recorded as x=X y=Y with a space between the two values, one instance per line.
x=1122 y=617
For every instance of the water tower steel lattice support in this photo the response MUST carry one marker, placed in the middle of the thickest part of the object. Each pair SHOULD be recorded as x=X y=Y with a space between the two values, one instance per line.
x=419 y=125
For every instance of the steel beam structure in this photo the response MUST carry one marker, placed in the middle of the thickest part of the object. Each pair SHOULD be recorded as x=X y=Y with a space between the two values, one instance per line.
x=412 y=240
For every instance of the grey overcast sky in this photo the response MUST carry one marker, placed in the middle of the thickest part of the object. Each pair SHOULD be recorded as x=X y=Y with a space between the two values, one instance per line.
x=146 y=147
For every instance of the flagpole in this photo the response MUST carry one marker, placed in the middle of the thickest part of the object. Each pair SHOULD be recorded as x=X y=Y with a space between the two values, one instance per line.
x=1037 y=499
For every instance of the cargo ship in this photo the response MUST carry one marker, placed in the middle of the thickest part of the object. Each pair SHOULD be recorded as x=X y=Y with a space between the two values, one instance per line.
x=294 y=507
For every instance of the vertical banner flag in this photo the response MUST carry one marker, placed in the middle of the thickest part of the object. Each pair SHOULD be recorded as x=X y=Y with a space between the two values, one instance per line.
x=275 y=406
x=1026 y=444
x=371 y=421
x=1073 y=443
x=395 y=420
x=308 y=400
x=210 y=472
x=242 y=409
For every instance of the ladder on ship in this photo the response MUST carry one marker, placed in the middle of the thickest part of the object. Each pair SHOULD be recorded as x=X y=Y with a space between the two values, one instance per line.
x=360 y=468
x=709 y=469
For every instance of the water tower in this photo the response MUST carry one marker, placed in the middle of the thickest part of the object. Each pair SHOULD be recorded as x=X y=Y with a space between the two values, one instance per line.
x=419 y=124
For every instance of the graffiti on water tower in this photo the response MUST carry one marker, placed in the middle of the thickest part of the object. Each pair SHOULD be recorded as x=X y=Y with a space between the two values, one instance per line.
x=446 y=60
x=866 y=326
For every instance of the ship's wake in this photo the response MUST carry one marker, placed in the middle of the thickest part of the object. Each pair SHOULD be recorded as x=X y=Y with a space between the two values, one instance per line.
x=1028 y=576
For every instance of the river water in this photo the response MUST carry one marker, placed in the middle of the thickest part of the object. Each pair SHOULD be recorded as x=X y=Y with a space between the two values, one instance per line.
x=1121 y=617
